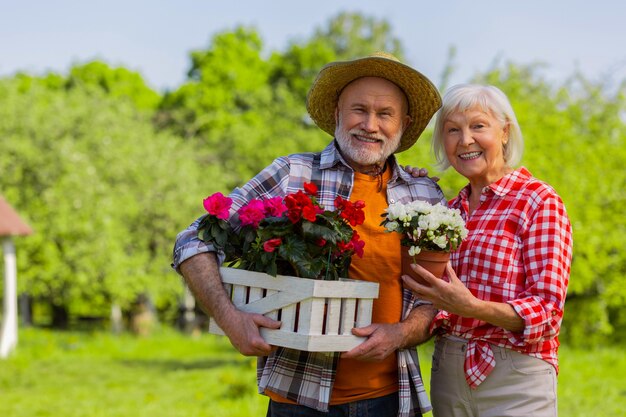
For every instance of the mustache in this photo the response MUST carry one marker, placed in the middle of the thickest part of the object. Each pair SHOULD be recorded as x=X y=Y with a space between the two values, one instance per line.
x=359 y=132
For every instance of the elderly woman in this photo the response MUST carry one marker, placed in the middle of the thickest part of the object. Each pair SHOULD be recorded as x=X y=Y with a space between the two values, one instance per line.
x=501 y=305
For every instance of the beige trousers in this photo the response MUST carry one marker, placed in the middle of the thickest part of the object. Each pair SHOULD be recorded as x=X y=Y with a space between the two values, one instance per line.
x=519 y=385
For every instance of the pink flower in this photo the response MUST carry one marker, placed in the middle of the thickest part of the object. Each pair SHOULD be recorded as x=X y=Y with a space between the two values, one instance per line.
x=271 y=244
x=217 y=205
x=274 y=207
x=252 y=213
x=358 y=244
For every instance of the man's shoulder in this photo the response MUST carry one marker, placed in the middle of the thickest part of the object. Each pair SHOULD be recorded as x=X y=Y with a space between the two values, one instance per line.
x=325 y=158
x=407 y=188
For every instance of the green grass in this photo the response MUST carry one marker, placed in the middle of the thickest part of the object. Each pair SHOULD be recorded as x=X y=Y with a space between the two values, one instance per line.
x=81 y=374
x=73 y=374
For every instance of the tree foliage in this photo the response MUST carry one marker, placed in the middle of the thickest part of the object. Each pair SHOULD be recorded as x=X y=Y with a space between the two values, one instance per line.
x=99 y=186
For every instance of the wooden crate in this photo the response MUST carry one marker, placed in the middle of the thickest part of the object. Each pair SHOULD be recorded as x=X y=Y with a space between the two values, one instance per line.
x=316 y=315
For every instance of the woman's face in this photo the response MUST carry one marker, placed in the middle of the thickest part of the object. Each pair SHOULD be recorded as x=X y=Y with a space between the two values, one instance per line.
x=473 y=141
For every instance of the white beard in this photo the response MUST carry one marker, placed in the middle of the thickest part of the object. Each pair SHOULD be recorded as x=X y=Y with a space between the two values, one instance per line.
x=362 y=155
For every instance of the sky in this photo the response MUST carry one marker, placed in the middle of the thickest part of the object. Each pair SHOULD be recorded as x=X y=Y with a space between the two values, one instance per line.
x=155 y=37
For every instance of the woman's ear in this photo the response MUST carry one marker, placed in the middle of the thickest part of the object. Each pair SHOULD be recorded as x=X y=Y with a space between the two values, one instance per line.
x=505 y=134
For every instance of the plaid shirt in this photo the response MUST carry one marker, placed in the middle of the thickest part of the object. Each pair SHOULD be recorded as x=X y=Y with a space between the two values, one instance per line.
x=307 y=377
x=518 y=251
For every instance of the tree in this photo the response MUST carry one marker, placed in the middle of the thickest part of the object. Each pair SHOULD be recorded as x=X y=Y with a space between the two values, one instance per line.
x=231 y=112
x=116 y=83
x=102 y=190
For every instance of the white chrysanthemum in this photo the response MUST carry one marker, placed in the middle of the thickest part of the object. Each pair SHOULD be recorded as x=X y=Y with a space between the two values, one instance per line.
x=441 y=241
x=414 y=250
x=396 y=211
x=430 y=221
x=392 y=226
x=425 y=224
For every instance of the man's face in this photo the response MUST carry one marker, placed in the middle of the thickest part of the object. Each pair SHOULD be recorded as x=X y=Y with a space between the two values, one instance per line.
x=371 y=117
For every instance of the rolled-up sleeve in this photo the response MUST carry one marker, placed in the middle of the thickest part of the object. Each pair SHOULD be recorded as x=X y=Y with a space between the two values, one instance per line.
x=188 y=245
x=547 y=255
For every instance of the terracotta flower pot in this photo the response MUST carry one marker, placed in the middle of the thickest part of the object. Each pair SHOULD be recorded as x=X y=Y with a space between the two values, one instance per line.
x=433 y=261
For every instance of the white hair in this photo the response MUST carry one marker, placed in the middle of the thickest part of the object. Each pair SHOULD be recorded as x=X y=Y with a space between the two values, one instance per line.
x=489 y=99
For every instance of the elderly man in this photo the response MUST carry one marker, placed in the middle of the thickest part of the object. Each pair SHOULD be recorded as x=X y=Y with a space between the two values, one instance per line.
x=375 y=107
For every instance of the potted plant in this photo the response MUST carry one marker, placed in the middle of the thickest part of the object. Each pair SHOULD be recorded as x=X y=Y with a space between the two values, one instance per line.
x=271 y=246
x=429 y=232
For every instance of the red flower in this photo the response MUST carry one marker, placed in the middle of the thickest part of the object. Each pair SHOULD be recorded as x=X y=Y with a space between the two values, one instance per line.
x=352 y=212
x=310 y=189
x=271 y=244
x=344 y=247
x=218 y=205
x=321 y=242
x=252 y=213
x=309 y=213
x=300 y=205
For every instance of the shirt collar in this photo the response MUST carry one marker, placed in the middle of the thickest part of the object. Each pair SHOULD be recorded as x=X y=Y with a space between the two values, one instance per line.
x=331 y=157
x=512 y=181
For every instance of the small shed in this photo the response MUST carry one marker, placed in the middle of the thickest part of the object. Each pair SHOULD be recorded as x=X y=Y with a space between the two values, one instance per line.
x=10 y=225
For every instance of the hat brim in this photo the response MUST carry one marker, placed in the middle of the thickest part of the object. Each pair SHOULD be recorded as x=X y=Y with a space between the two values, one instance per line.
x=423 y=98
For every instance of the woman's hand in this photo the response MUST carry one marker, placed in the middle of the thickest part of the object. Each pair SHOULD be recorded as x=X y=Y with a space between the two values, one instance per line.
x=454 y=297
x=450 y=295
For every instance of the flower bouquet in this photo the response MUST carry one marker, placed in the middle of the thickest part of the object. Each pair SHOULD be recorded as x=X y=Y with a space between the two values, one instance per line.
x=270 y=245
x=429 y=232
x=293 y=235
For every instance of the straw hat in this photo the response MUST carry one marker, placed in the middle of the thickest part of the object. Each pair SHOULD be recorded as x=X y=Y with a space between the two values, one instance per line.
x=424 y=99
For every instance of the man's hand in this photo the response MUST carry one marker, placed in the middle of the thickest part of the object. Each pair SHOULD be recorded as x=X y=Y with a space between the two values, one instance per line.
x=201 y=273
x=243 y=331
x=382 y=341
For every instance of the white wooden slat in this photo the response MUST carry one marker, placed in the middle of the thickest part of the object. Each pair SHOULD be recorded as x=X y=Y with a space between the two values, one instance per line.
x=333 y=316
x=348 y=307
x=304 y=316
x=273 y=314
x=364 y=312
x=288 y=318
x=254 y=294
x=274 y=301
x=239 y=295
x=309 y=287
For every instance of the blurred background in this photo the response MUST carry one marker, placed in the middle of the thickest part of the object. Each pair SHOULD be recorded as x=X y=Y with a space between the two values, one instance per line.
x=118 y=118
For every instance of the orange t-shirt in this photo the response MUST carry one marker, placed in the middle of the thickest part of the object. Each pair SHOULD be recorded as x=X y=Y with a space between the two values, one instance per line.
x=357 y=380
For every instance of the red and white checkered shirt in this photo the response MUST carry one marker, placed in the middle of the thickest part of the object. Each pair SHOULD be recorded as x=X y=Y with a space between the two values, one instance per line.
x=518 y=251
